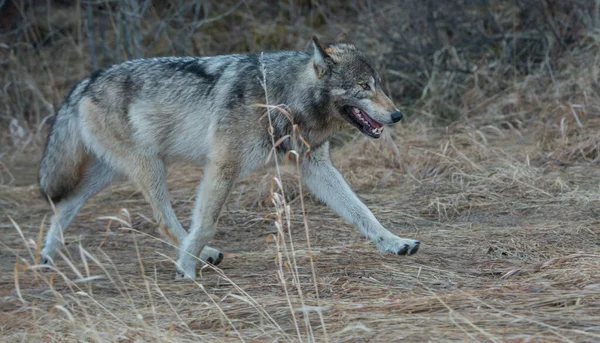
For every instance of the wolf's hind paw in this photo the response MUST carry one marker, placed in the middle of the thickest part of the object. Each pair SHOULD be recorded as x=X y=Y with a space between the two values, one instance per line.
x=211 y=255
x=217 y=261
x=45 y=260
x=181 y=275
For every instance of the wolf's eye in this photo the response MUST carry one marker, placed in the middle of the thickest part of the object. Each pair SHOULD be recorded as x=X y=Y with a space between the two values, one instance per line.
x=365 y=86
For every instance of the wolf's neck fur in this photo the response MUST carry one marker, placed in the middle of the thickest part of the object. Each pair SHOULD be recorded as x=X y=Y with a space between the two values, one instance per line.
x=293 y=83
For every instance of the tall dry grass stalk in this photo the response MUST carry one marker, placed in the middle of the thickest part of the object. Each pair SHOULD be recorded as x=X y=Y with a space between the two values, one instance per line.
x=283 y=220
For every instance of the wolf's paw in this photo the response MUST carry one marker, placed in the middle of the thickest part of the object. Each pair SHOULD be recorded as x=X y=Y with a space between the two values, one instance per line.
x=211 y=255
x=181 y=275
x=398 y=246
x=186 y=265
x=216 y=261
x=46 y=260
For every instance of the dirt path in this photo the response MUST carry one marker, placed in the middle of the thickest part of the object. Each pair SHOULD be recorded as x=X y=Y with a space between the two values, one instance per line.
x=510 y=252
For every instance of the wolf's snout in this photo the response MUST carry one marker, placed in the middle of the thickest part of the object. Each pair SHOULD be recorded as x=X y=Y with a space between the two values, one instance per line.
x=396 y=116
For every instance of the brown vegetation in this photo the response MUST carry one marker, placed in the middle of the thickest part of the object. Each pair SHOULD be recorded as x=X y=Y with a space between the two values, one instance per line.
x=495 y=171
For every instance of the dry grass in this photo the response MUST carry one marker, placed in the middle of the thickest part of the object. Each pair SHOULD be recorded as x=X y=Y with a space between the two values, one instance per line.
x=510 y=253
x=504 y=200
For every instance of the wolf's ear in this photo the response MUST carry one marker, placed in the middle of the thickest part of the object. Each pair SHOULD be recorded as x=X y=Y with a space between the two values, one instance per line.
x=321 y=58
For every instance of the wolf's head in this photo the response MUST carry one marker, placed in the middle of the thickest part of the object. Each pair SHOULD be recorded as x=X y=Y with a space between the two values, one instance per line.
x=355 y=86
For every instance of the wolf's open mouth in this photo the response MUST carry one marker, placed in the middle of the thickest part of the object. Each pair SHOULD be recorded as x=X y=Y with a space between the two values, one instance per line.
x=366 y=124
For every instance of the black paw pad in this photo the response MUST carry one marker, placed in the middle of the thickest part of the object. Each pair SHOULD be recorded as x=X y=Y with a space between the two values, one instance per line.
x=403 y=250
x=210 y=260
x=219 y=259
x=414 y=249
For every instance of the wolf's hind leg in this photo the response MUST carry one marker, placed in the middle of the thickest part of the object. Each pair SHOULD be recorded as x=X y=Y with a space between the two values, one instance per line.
x=212 y=193
x=150 y=175
x=96 y=176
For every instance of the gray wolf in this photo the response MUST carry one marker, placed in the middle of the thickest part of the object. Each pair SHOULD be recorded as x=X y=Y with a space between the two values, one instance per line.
x=137 y=117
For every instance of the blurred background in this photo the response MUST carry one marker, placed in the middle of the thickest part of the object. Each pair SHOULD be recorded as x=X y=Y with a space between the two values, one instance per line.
x=494 y=169
x=440 y=60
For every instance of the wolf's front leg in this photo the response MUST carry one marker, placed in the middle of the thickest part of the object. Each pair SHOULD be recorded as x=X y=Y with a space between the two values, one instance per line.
x=326 y=182
x=212 y=193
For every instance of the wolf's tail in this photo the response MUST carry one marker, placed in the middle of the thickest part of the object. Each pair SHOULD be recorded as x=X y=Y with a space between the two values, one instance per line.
x=65 y=156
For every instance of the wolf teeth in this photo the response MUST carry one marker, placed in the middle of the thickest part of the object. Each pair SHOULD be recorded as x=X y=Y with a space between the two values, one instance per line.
x=358 y=113
x=377 y=131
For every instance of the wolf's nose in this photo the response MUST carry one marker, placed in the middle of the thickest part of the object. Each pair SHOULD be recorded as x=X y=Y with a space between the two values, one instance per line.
x=396 y=116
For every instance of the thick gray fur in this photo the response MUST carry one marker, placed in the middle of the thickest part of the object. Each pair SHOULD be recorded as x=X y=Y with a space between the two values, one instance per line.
x=138 y=117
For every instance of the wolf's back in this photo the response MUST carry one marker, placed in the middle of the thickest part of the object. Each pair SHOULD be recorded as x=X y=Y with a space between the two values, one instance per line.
x=64 y=155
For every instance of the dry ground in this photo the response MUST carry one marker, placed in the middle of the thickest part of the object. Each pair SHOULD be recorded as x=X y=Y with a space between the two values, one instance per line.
x=510 y=253
x=504 y=200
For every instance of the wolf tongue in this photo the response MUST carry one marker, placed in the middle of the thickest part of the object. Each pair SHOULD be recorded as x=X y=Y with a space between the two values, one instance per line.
x=371 y=121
